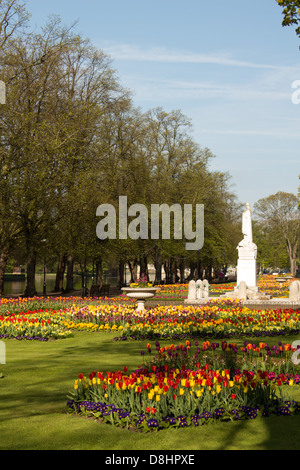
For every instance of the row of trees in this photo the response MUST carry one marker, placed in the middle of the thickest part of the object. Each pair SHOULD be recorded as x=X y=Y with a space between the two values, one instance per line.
x=71 y=139
x=277 y=230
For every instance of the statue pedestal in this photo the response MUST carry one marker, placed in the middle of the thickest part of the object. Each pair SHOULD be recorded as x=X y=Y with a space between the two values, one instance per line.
x=246 y=267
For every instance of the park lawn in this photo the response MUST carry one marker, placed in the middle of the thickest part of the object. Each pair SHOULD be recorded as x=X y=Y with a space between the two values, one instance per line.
x=39 y=376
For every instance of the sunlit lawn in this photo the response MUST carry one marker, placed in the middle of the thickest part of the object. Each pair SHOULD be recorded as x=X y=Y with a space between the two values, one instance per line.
x=39 y=376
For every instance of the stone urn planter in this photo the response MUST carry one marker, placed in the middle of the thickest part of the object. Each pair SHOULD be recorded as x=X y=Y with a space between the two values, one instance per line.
x=141 y=294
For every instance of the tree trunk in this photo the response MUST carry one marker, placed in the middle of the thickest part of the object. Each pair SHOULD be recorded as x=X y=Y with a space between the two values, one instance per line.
x=133 y=271
x=193 y=267
x=121 y=274
x=168 y=270
x=3 y=262
x=158 y=268
x=144 y=267
x=30 y=289
x=70 y=274
x=292 y=252
x=182 y=268
x=293 y=262
x=99 y=273
x=61 y=266
x=158 y=265
x=293 y=266
x=174 y=272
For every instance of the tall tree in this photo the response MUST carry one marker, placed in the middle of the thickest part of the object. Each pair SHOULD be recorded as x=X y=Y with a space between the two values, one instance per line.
x=13 y=18
x=58 y=87
x=281 y=212
x=291 y=13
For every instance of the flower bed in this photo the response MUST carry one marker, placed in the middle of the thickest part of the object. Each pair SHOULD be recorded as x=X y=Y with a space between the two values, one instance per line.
x=225 y=319
x=250 y=356
x=266 y=284
x=39 y=324
x=212 y=321
x=181 y=384
x=166 y=393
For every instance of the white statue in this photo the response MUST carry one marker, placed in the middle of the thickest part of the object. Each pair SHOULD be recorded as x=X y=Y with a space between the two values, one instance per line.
x=247 y=251
x=247 y=242
x=247 y=224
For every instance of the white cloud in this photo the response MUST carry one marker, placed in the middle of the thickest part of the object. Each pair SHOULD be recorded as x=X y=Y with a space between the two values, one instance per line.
x=160 y=54
x=243 y=104
x=274 y=133
x=270 y=82
x=148 y=88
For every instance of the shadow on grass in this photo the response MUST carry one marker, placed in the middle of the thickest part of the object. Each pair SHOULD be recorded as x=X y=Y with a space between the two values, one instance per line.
x=39 y=377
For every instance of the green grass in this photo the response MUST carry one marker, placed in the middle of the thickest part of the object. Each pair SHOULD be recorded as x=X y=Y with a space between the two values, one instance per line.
x=39 y=376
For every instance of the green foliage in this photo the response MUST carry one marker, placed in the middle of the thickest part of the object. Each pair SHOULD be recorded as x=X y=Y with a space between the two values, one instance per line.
x=291 y=12
x=279 y=218
x=69 y=145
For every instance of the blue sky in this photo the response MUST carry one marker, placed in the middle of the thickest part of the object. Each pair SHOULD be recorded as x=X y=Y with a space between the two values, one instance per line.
x=227 y=67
